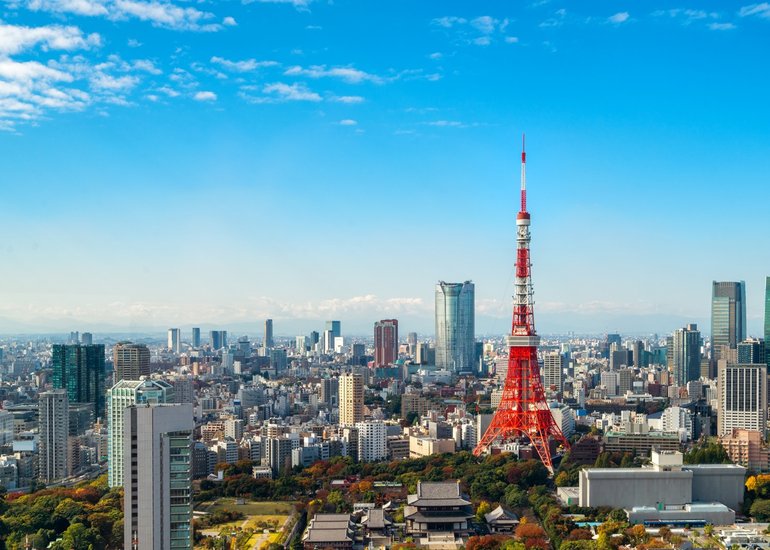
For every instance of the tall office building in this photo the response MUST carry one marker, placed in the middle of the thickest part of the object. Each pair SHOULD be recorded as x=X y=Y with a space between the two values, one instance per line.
x=130 y=361
x=351 y=395
x=385 y=342
x=752 y=351
x=335 y=327
x=684 y=354
x=123 y=394
x=157 y=499
x=87 y=339
x=411 y=339
x=196 y=337
x=728 y=316
x=553 y=364
x=174 y=340
x=53 y=455
x=455 y=329
x=80 y=370
x=742 y=393
x=767 y=321
x=268 y=340
x=218 y=339
x=328 y=343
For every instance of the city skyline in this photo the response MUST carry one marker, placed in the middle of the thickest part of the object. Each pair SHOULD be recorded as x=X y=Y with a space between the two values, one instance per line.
x=288 y=135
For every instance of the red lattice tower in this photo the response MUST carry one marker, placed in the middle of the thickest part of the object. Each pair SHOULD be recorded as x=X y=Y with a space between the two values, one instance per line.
x=523 y=411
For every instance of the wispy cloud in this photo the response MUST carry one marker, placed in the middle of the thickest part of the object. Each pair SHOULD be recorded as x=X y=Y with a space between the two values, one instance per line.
x=279 y=92
x=480 y=31
x=14 y=39
x=759 y=10
x=205 y=96
x=348 y=122
x=242 y=66
x=347 y=74
x=300 y=5
x=722 y=26
x=620 y=17
x=159 y=13
x=348 y=99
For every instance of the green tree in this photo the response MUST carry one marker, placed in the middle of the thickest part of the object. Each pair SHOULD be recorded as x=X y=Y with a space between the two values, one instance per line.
x=760 y=509
x=483 y=509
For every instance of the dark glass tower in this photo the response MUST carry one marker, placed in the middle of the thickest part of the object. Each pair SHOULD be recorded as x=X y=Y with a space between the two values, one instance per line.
x=767 y=321
x=80 y=370
x=728 y=316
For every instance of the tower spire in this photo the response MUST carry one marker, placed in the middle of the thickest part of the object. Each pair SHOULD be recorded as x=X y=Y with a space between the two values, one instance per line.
x=523 y=174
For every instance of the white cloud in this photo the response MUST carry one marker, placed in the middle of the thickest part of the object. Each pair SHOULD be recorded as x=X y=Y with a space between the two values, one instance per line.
x=347 y=74
x=436 y=55
x=229 y=22
x=314 y=27
x=760 y=10
x=243 y=66
x=294 y=92
x=348 y=99
x=482 y=41
x=485 y=24
x=15 y=39
x=449 y=21
x=159 y=13
x=447 y=124
x=28 y=71
x=205 y=96
x=79 y=7
x=170 y=92
x=721 y=26
x=511 y=39
x=348 y=122
x=102 y=81
x=620 y=17
x=132 y=43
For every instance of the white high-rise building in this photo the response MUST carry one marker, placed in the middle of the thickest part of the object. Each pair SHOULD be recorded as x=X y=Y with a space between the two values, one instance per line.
x=742 y=398
x=122 y=395
x=553 y=364
x=677 y=420
x=351 y=396
x=158 y=477
x=53 y=455
x=175 y=340
x=609 y=379
x=372 y=441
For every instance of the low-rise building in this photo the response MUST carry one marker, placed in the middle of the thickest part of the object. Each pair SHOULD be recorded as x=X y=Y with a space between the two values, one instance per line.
x=426 y=446
x=746 y=447
x=329 y=531
x=438 y=508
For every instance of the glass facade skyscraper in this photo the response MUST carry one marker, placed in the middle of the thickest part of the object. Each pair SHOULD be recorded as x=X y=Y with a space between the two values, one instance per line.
x=455 y=326
x=80 y=370
x=728 y=315
x=767 y=320
x=685 y=354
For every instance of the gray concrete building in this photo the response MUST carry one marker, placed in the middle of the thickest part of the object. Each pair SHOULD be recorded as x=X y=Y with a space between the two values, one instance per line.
x=158 y=477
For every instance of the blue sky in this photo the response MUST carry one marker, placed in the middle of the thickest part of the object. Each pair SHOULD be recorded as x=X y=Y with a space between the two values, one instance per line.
x=219 y=162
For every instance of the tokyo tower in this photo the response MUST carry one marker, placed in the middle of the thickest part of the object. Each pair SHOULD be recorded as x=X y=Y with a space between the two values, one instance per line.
x=523 y=412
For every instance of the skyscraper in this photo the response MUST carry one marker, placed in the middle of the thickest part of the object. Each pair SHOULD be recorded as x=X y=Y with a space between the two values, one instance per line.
x=130 y=361
x=767 y=321
x=553 y=364
x=53 y=458
x=351 y=395
x=752 y=351
x=196 y=337
x=80 y=370
x=268 y=341
x=174 y=340
x=158 y=503
x=86 y=338
x=335 y=327
x=385 y=342
x=728 y=315
x=218 y=339
x=742 y=398
x=685 y=354
x=123 y=394
x=455 y=332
